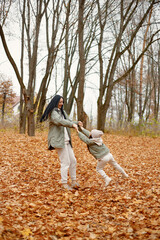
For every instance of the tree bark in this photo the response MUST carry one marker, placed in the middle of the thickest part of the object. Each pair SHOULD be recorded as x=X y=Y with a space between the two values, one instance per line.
x=141 y=69
x=23 y=115
x=66 y=66
x=22 y=112
x=3 y=107
x=158 y=90
x=82 y=61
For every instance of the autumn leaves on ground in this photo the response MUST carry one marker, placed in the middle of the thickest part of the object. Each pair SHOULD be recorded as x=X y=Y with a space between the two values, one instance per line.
x=33 y=205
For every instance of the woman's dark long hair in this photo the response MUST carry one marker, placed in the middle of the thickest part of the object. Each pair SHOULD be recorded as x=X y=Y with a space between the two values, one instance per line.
x=53 y=104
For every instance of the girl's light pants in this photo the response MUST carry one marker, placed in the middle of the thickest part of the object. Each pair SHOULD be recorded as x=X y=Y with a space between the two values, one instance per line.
x=68 y=162
x=108 y=159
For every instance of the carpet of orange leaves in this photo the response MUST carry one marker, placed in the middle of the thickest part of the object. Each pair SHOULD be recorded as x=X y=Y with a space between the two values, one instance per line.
x=33 y=205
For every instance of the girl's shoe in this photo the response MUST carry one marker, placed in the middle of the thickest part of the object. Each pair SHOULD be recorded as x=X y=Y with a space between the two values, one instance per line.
x=125 y=175
x=107 y=181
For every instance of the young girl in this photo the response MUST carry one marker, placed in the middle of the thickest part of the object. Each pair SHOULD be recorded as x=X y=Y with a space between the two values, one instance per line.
x=99 y=150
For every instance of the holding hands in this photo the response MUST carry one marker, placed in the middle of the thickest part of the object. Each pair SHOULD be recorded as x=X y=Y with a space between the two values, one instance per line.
x=80 y=124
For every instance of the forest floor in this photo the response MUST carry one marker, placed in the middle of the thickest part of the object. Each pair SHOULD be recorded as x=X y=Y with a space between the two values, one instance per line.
x=33 y=205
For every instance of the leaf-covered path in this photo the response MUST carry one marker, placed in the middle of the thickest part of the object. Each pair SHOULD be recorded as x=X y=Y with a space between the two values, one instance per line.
x=33 y=205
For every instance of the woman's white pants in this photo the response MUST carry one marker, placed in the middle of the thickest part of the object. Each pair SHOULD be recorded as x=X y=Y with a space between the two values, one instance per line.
x=108 y=159
x=68 y=162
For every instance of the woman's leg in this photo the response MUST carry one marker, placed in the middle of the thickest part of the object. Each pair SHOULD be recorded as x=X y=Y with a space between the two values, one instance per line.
x=65 y=162
x=73 y=163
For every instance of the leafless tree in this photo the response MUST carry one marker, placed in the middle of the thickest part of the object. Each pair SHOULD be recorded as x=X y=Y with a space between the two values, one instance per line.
x=82 y=59
x=152 y=110
x=127 y=13
x=6 y=94
x=141 y=66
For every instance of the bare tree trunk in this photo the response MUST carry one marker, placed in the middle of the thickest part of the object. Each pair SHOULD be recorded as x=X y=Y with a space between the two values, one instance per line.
x=131 y=105
x=82 y=61
x=32 y=56
x=42 y=103
x=22 y=112
x=3 y=107
x=141 y=69
x=101 y=113
x=66 y=67
x=31 y=124
x=130 y=88
x=158 y=89
x=103 y=108
x=23 y=115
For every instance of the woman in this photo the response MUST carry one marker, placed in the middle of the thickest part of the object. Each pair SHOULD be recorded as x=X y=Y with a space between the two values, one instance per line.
x=59 y=138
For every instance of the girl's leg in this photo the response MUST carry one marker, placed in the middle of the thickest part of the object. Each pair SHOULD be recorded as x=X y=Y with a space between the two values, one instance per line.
x=116 y=166
x=100 y=166
x=65 y=163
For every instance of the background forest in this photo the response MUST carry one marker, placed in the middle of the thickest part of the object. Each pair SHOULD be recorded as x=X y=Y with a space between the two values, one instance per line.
x=103 y=56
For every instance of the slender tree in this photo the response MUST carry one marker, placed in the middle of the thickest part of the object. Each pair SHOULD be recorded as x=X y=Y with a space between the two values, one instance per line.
x=141 y=67
x=23 y=111
x=82 y=60
x=6 y=95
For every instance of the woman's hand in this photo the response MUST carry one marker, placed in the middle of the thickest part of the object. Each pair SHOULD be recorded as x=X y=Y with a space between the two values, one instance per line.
x=75 y=127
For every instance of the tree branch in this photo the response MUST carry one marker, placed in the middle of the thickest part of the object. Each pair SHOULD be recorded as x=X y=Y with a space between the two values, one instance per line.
x=12 y=62
x=135 y=63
